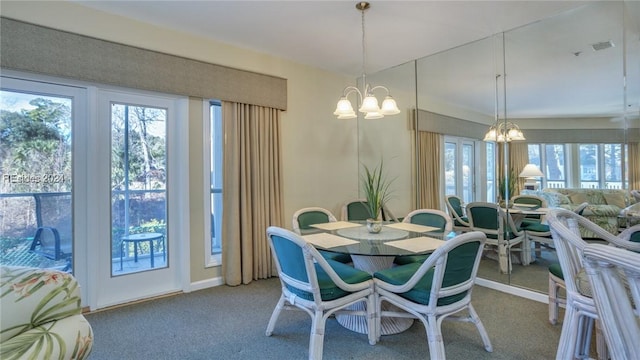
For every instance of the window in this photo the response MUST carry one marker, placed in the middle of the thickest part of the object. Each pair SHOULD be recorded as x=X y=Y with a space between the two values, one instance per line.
x=214 y=162
x=459 y=155
x=601 y=166
x=491 y=171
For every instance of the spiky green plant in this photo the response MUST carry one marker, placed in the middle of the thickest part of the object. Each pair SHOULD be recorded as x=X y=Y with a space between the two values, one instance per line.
x=376 y=189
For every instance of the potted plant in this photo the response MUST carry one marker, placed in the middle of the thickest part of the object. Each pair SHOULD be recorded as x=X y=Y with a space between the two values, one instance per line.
x=376 y=191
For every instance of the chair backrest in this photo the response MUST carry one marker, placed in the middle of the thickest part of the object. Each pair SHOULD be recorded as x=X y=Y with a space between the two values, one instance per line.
x=430 y=217
x=296 y=261
x=53 y=237
x=305 y=217
x=611 y=271
x=453 y=267
x=491 y=219
x=529 y=200
x=454 y=207
x=356 y=210
x=565 y=230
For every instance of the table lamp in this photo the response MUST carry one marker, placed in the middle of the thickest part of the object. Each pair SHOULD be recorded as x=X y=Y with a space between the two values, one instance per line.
x=530 y=173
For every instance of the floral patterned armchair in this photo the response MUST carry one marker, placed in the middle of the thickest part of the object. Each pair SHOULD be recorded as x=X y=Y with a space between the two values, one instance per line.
x=41 y=317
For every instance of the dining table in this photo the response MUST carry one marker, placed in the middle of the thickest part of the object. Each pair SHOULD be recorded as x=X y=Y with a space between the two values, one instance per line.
x=373 y=252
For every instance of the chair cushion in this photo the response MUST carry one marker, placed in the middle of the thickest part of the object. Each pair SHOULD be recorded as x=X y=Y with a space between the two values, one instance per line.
x=556 y=270
x=459 y=266
x=328 y=289
x=408 y=259
x=343 y=258
x=537 y=227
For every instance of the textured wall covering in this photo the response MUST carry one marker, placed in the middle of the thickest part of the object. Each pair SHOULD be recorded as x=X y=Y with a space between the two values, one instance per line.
x=33 y=48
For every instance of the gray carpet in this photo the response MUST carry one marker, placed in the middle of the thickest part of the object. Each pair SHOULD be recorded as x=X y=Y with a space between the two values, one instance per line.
x=229 y=323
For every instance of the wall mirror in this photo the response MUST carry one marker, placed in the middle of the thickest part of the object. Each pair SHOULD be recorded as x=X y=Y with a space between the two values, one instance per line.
x=543 y=77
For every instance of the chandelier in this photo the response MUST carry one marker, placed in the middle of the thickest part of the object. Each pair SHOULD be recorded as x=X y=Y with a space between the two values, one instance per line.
x=504 y=131
x=344 y=109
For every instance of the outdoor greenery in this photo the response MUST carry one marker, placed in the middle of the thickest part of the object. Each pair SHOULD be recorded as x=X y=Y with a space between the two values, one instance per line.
x=376 y=187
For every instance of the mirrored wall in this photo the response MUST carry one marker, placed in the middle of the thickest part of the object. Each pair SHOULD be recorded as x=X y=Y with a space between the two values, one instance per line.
x=566 y=80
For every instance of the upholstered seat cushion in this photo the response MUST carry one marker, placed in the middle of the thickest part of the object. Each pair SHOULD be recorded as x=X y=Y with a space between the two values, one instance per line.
x=556 y=270
x=459 y=267
x=536 y=226
x=328 y=289
x=343 y=258
x=409 y=259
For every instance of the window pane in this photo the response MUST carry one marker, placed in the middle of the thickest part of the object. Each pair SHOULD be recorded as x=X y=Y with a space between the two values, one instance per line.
x=138 y=188
x=35 y=191
x=491 y=172
x=467 y=172
x=216 y=178
x=613 y=166
x=555 y=165
x=450 y=157
x=588 y=157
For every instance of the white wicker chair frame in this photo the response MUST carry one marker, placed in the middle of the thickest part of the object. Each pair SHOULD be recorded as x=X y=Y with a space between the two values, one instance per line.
x=580 y=313
x=504 y=247
x=385 y=214
x=611 y=270
x=556 y=283
x=448 y=221
x=455 y=216
x=432 y=315
x=297 y=214
x=318 y=309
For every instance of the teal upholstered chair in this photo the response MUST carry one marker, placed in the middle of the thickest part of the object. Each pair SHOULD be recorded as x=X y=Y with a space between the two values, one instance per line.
x=316 y=285
x=426 y=217
x=355 y=210
x=435 y=289
x=501 y=232
x=305 y=217
x=531 y=202
x=456 y=211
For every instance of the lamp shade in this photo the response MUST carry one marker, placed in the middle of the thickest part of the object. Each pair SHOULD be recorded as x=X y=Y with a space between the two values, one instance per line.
x=369 y=104
x=344 y=107
x=389 y=107
x=531 y=170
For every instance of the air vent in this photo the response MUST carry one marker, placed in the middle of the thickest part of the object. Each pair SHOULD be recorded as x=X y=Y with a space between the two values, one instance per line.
x=602 y=45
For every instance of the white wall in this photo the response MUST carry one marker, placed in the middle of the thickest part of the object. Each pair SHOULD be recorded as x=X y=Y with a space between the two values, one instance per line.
x=319 y=151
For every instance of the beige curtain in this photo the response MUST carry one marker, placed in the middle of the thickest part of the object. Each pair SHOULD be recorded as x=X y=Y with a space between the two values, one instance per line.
x=518 y=158
x=252 y=183
x=429 y=170
x=634 y=165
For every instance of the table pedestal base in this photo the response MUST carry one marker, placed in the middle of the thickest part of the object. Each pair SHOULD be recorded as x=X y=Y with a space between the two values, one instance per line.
x=358 y=323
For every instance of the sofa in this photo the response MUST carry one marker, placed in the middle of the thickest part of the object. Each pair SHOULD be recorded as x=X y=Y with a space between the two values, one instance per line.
x=604 y=206
x=41 y=315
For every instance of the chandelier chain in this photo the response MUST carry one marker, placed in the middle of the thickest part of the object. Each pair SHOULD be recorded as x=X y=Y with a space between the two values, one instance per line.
x=363 y=49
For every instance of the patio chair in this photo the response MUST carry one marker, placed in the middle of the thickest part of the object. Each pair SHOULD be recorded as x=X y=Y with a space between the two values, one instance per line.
x=53 y=237
x=615 y=285
x=436 y=289
x=501 y=232
x=427 y=217
x=456 y=211
x=317 y=286
x=580 y=313
x=305 y=217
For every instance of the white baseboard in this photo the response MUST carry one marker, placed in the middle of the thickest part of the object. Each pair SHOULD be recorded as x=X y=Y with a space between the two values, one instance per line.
x=204 y=284
x=527 y=294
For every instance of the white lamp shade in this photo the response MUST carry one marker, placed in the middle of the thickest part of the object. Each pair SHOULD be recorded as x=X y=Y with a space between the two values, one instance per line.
x=369 y=104
x=344 y=107
x=531 y=170
x=515 y=134
x=351 y=115
x=490 y=135
x=373 y=115
x=389 y=107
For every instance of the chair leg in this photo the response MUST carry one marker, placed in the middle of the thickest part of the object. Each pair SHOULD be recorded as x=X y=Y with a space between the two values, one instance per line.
x=372 y=319
x=553 y=301
x=316 y=340
x=483 y=333
x=275 y=315
x=569 y=334
x=434 y=338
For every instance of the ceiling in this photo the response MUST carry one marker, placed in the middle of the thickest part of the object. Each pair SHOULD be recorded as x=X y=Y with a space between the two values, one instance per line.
x=328 y=35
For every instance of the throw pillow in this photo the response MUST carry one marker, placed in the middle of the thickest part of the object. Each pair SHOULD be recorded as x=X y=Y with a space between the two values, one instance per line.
x=577 y=197
x=616 y=199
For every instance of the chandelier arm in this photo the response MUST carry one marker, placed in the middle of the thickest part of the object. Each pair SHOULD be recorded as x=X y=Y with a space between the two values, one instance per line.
x=379 y=87
x=350 y=89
